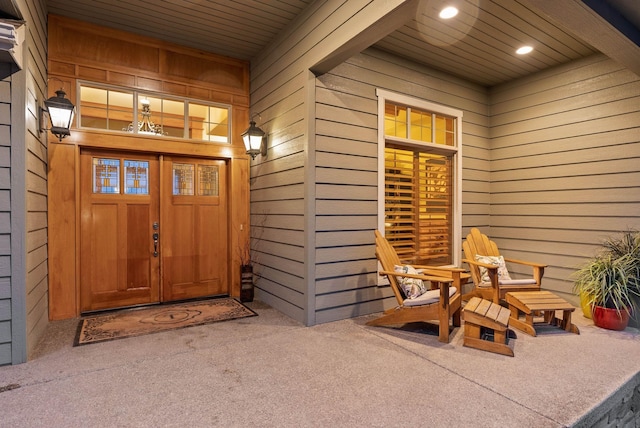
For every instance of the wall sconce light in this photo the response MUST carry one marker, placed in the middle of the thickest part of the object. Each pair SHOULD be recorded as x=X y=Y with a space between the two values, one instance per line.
x=61 y=112
x=255 y=140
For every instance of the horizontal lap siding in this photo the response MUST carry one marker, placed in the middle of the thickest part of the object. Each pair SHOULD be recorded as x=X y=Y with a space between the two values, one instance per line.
x=23 y=193
x=346 y=172
x=279 y=80
x=36 y=258
x=565 y=155
x=5 y=220
x=283 y=182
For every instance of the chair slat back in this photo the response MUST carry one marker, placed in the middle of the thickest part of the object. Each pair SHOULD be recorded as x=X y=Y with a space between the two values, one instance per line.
x=388 y=258
x=478 y=243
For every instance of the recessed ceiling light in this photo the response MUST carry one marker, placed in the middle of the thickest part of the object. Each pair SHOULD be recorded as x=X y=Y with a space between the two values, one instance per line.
x=524 y=50
x=448 y=12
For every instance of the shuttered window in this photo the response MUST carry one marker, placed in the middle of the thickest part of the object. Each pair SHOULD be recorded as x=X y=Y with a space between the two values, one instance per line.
x=420 y=198
x=418 y=205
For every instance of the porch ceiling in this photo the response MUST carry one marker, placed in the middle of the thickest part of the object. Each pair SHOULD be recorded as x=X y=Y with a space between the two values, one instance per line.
x=478 y=45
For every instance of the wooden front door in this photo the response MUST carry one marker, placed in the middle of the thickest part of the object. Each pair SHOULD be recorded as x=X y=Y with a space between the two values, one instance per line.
x=120 y=205
x=194 y=232
x=130 y=253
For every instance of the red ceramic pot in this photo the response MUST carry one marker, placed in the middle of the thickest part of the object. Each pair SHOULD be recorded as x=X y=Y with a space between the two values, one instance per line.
x=610 y=319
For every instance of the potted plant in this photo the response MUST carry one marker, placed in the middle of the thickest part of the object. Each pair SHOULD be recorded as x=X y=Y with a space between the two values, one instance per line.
x=610 y=280
x=627 y=247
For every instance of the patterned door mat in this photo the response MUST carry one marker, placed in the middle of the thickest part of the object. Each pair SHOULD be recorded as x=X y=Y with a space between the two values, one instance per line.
x=139 y=321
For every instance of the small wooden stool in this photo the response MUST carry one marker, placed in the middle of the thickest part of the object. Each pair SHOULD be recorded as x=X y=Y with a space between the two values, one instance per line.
x=480 y=313
x=529 y=303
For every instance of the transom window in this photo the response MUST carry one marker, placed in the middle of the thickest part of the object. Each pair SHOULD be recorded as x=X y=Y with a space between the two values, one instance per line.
x=419 y=179
x=123 y=110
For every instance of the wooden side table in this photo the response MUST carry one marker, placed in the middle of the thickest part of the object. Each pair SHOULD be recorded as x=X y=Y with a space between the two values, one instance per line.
x=530 y=303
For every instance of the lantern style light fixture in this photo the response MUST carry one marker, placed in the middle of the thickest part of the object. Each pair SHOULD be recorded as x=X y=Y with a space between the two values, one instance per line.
x=255 y=140
x=61 y=112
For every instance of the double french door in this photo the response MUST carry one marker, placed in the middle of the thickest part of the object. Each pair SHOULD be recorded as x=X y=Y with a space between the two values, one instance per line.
x=153 y=229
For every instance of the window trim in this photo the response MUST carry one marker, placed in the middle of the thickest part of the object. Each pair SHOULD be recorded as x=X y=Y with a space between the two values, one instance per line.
x=455 y=151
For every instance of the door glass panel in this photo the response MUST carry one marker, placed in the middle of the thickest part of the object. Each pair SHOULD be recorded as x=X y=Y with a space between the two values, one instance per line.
x=106 y=175
x=136 y=176
x=207 y=180
x=183 y=179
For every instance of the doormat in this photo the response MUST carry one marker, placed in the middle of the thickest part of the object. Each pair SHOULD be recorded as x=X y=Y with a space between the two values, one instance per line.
x=140 y=321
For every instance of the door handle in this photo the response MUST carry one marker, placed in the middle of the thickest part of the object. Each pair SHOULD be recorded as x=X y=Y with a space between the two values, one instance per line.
x=155 y=244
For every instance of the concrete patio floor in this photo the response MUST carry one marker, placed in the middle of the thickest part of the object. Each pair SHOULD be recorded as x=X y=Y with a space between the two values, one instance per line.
x=271 y=371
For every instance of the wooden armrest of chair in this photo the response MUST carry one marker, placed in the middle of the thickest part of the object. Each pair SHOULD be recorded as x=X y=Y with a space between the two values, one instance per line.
x=440 y=268
x=458 y=275
x=484 y=265
x=538 y=268
x=526 y=263
x=431 y=278
x=435 y=281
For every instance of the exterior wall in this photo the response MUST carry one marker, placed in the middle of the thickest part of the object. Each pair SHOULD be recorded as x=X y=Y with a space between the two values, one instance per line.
x=23 y=193
x=548 y=171
x=36 y=179
x=346 y=154
x=8 y=319
x=282 y=183
x=565 y=146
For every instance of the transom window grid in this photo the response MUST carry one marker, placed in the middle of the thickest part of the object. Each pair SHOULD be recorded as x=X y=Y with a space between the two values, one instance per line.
x=114 y=109
x=419 y=125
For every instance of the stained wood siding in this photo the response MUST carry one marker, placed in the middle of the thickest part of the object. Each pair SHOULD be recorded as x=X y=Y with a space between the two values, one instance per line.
x=347 y=170
x=282 y=184
x=565 y=151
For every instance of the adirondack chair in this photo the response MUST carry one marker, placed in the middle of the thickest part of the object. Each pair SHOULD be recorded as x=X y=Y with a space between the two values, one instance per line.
x=493 y=286
x=441 y=303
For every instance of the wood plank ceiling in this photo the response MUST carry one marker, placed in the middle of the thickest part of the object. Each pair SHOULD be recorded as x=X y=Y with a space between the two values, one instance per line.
x=478 y=45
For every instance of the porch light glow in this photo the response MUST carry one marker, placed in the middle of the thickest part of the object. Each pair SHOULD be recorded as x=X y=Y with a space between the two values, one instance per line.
x=255 y=140
x=524 y=50
x=448 y=12
x=61 y=112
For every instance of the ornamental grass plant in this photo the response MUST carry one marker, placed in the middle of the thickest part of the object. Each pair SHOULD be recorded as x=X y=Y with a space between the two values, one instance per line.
x=611 y=279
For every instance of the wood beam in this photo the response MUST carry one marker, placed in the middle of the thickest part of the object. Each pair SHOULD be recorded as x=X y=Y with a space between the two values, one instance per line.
x=369 y=35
